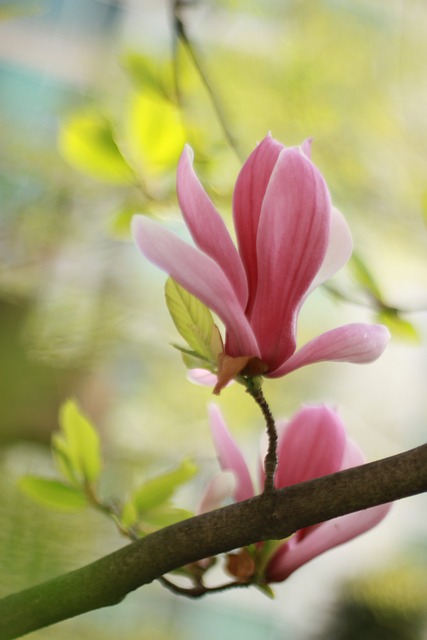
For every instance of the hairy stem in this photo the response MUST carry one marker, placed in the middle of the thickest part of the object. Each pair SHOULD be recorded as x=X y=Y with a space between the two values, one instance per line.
x=270 y=461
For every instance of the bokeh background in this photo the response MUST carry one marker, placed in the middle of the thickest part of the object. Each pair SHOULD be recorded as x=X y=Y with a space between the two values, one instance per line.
x=97 y=98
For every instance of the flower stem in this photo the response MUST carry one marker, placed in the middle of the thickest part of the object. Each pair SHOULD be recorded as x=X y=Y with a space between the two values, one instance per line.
x=270 y=461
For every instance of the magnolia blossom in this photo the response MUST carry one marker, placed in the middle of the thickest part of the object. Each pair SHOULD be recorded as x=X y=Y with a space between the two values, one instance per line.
x=290 y=239
x=313 y=444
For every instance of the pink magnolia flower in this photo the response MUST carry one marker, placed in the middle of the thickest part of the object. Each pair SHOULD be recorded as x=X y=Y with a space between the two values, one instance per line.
x=290 y=240
x=313 y=444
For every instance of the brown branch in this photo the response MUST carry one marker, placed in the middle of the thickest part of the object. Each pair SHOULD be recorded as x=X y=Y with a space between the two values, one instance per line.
x=273 y=516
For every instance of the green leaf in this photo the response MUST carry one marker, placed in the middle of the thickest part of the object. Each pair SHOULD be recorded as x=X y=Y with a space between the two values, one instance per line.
x=77 y=447
x=53 y=493
x=119 y=224
x=86 y=141
x=191 y=317
x=192 y=361
x=146 y=74
x=164 y=517
x=399 y=327
x=155 y=134
x=62 y=458
x=157 y=491
x=129 y=515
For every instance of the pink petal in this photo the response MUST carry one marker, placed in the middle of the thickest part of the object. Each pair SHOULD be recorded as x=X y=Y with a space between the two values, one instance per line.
x=292 y=240
x=310 y=542
x=220 y=488
x=229 y=455
x=339 y=250
x=294 y=553
x=306 y=147
x=207 y=227
x=311 y=445
x=202 y=377
x=197 y=273
x=358 y=343
x=249 y=193
x=353 y=456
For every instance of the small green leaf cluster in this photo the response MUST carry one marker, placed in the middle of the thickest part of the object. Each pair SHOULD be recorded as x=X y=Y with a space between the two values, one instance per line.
x=195 y=324
x=76 y=452
x=77 y=456
x=136 y=150
x=150 y=508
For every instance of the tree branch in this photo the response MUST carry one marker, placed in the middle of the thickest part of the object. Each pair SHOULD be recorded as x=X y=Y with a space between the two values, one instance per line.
x=277 y=515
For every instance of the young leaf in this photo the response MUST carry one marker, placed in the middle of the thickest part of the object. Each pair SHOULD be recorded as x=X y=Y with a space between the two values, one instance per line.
x=156 y=133
x=129 y=515
x=62 y=458
x=399 y=327
x=53 y=493
x=157 y=491
x=119 y=224
x=87 y=142
x=164 y=517
x=146 y=74
x=191 y=317
x=77 y=446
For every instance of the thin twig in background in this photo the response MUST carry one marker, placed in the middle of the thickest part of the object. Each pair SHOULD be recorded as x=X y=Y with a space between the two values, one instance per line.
x=180 y=35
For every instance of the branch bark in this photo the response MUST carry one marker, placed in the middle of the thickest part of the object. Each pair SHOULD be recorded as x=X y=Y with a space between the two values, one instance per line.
x=277 y=515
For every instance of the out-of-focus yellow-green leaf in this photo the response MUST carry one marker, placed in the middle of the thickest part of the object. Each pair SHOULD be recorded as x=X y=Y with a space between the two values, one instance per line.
x=129 y=515
x=118 y=225
x=62 y=459
x=87 y=142
x=77 y=447
x=399 y=327
x=157 y=491
x=164 y=517
x=147 y=74
x=53 y=493
x=364 y=277
x=156 y=133
x=191 y=317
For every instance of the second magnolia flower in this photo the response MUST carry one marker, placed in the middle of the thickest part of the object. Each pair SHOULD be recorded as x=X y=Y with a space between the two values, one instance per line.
x=290 y=240
x=312 y=444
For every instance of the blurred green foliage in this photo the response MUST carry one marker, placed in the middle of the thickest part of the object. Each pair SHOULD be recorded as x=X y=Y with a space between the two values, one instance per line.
x=80 y=313
x=387 y=605
x=76 y=450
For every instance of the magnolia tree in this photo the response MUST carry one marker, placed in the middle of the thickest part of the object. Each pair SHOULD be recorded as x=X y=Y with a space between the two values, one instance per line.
x=236 y=307
x=314 y=489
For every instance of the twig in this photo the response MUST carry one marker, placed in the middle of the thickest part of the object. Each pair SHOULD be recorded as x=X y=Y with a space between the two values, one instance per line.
x=201 y=589
x=180 y=34
x=266 y=517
